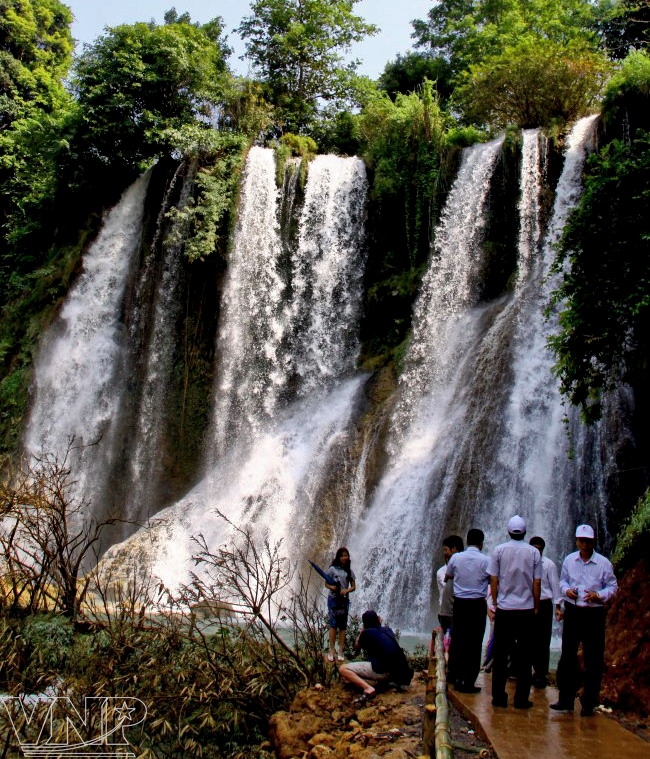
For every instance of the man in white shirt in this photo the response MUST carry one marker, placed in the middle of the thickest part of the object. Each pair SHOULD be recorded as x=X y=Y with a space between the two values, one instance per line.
x=515 y=581
x=550 y=597
x=587 y=582
x=468 y=570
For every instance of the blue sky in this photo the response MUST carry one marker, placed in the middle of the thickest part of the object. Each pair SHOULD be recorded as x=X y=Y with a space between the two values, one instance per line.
x=392 y=16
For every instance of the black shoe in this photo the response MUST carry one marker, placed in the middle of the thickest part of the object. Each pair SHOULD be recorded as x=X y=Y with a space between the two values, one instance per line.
x=560 y=707
x=540 y=682
x=501 y=702
x=523 y=704
x=467 y=689
x=586 y=711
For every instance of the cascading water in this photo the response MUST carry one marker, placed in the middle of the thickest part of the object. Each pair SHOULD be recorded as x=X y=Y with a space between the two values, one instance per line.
x=394 y=538
x=449 y=286
x=479 y=432
x=477 y=428
x=252 y=374
x=327 y=273
x=535 y=475
x=145 y=460
x=79 y=383
x=284 y=395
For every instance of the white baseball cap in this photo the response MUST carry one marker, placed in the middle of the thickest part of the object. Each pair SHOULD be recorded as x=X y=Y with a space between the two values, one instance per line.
x=585 y=531
x=517 y=525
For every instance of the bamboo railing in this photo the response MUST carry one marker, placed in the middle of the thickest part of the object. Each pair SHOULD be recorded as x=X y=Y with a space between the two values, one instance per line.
x=436 y=738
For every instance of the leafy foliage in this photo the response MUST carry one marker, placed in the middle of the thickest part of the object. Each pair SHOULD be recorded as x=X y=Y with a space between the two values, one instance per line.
x=605 y=293
x=209 y=661
x=403 y=142
x=140 y=82
x=408 y=72
x=295 y=46
x=466 y=32
x=534 y=83
x=35 y=52
x=35 y=112
x=198 y=225
x=632 y=541
x=627 y=95
x=625 y=27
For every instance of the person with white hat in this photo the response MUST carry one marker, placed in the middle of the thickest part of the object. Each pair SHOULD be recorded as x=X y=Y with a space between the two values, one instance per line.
x=515 y=581
x=587 y=582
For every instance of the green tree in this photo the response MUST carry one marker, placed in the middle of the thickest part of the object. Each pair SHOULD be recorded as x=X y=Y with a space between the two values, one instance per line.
x=35 y=55
x=534 y=83
x=403 y=143
x=625 y=26
x=139 y=84
x=466 y=32
x=408 y=72
x=35 y=113
x=296 y=48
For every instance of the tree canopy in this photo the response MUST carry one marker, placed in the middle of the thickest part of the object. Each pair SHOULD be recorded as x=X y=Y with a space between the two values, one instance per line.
x=534 y=83
x=408 y=72
x=467 y=31
x=35 y=54
x=296 y=48
x=139 y=84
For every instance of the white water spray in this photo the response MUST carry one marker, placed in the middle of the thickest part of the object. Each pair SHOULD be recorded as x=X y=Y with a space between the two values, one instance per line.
x=79 y=377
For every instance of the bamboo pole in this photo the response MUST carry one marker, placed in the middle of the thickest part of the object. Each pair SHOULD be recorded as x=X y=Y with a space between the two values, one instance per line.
x=436 y=737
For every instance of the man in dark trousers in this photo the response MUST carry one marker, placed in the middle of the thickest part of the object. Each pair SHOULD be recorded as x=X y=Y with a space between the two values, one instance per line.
x=550 y=601
x=450 y=545
x=587 y=582
x=468 y=571
x=515 y=582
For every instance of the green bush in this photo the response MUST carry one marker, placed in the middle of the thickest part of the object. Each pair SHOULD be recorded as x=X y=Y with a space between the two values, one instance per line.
x=633 y=76
x=605 y=290
x=634 y=538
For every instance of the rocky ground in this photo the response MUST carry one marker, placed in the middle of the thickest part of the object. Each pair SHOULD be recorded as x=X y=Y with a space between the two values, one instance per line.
x=329 y=723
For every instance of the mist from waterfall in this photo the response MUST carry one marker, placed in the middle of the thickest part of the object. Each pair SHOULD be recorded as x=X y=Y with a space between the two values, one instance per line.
x=80 y=378
x=478 y=432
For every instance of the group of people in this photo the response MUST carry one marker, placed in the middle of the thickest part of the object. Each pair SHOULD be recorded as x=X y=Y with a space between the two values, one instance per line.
x=386 y=659
x=520 y=591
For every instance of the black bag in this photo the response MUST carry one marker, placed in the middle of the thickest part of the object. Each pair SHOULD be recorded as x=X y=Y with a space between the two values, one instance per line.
x=400 y=671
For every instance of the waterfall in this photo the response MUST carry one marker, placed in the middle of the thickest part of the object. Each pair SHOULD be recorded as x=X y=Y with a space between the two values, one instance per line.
x=145 y=460
x=80 y=381
x=448 y=288
x=327 y=268
x=394 y=538
x=289 y=328
x=535 y=475
x=252 y=371
x=285 y=393
x=478 y=431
